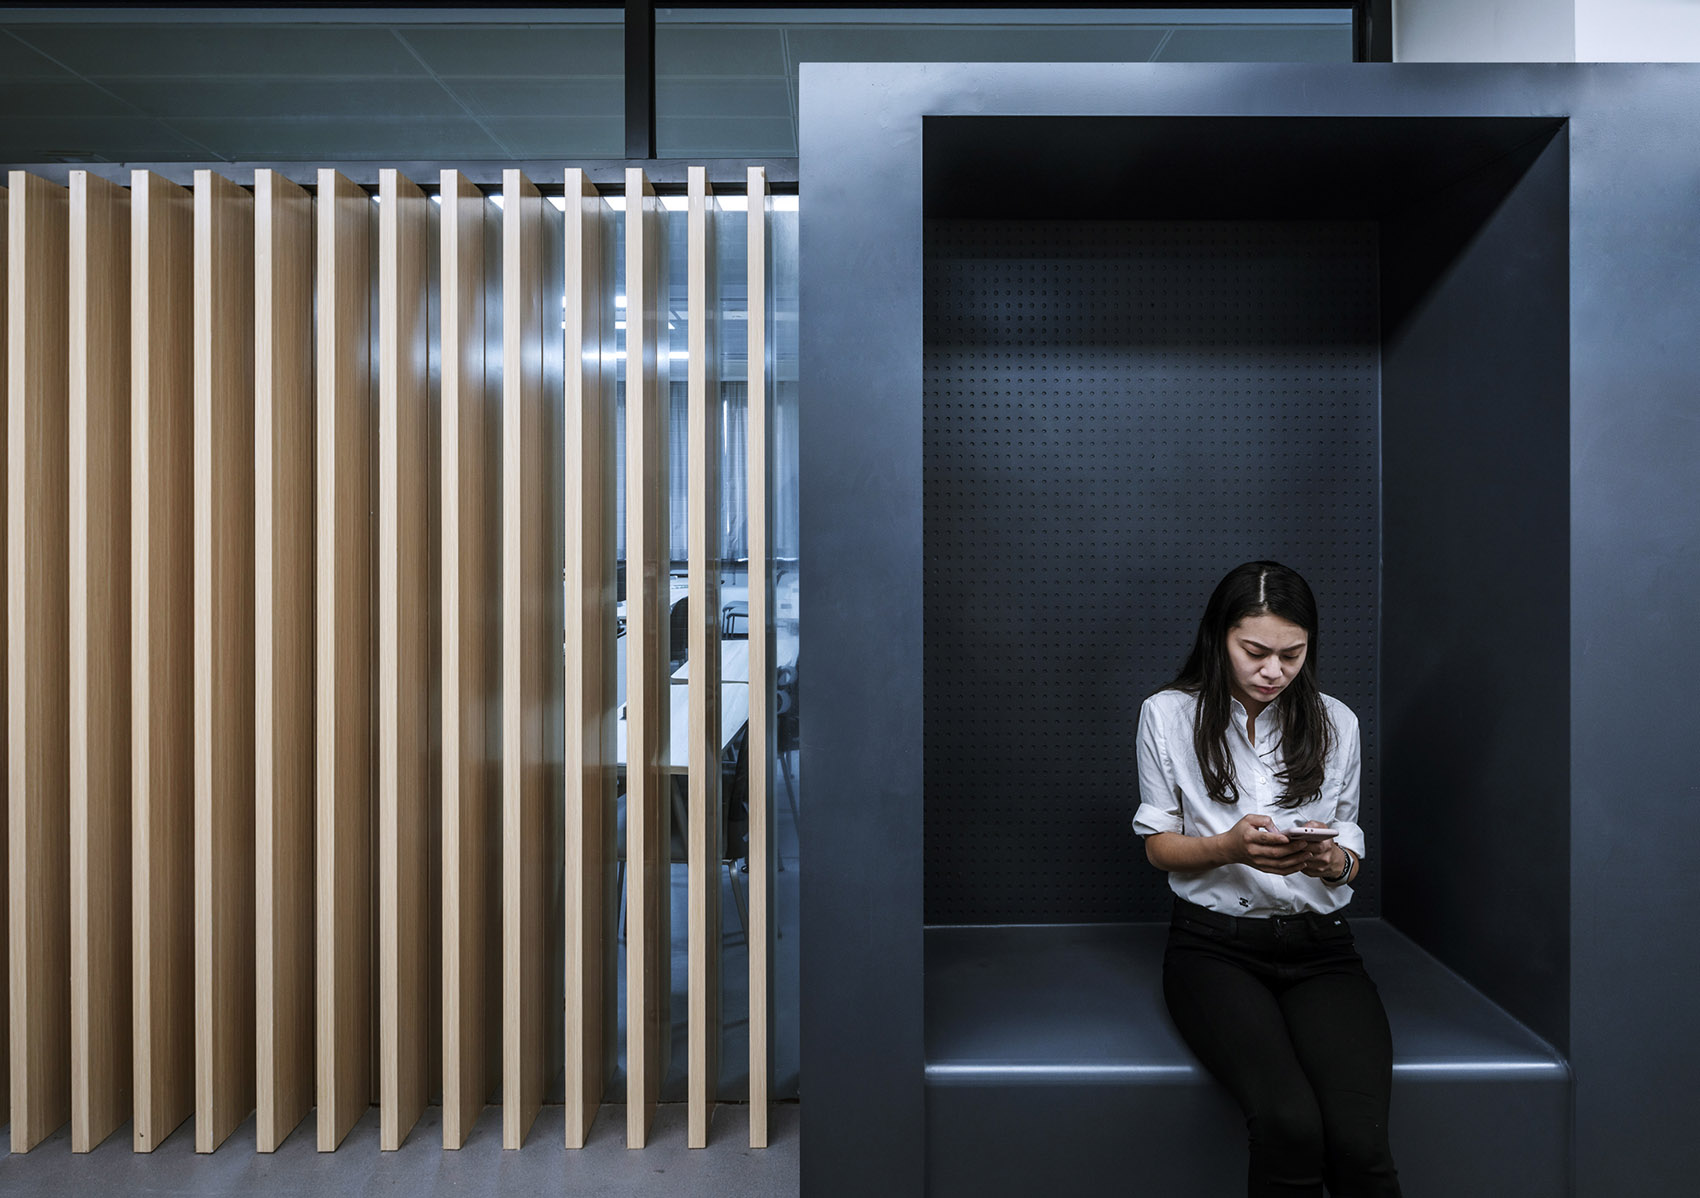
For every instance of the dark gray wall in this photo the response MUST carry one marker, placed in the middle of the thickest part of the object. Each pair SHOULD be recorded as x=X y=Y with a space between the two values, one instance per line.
x=1634 y=647
x=859 y=609
x=1116 y=413
x=1631 y=653
x=1475 y=679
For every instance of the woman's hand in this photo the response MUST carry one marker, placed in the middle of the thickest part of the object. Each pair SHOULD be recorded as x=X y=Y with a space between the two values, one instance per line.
x=1327 y=857
x=1254 y=842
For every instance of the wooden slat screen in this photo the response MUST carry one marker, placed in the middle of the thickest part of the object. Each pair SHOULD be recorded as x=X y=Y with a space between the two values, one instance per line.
x=648 y=715
x=5 y=815
x=703 y=602
x=283 y=655
x=224 y=658
x=408 y=968
x=471 y=953
x=589 y=699
x=525 y=316
x=290 y=771
x=161 y=660
x=38 y=703
x=762 y=855
x=99 y=595
x=345 y=427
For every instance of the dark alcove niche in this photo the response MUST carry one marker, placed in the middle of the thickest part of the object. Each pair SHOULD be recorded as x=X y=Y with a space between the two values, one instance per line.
x=1157 y=346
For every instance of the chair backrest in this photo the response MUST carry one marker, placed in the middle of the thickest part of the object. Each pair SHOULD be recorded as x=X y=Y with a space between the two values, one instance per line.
x=679 y=632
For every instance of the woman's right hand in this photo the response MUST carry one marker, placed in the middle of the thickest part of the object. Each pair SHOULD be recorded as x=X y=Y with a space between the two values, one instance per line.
x=1254 y=842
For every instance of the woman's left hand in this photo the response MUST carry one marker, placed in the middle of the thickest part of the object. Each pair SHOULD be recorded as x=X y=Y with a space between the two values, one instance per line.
x=1326 y=858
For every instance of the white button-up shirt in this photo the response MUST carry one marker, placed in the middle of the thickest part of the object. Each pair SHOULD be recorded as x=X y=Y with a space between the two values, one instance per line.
x=1173 y=798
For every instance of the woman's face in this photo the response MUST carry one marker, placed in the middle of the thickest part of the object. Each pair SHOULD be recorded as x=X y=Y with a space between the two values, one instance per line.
x=1266 y=653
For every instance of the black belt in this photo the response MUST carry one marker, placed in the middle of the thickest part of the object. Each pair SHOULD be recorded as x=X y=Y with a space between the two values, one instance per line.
x=1256 y=925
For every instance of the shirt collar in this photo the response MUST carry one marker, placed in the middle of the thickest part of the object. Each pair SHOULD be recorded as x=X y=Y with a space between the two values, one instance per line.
x=1268 y=731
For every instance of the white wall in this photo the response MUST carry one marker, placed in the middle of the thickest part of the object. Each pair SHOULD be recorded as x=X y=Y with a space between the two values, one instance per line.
x=1637 y=30
x=1492 y=30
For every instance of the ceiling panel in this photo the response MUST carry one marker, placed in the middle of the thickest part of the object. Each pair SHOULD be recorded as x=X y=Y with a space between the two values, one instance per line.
x=595 y=96
x=364 y=137
x=64 y=96
x=709 y=99
x=93 y=139
x=547 y=51
x=1270 y=43
x=1108 y=43
x=718 y=50
x=561 y=137
x=722 y=137
x=200 y=50
x=18 y=61
x=278 y=97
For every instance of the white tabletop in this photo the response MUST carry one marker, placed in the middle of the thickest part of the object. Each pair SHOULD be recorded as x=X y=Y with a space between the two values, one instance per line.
x=735 y=657
x=734 y=714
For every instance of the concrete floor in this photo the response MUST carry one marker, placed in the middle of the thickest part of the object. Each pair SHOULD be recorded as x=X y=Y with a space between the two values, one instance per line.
x=604 y=1168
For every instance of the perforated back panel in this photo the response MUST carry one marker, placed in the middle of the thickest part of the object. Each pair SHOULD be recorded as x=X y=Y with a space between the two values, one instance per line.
x=1116 y=414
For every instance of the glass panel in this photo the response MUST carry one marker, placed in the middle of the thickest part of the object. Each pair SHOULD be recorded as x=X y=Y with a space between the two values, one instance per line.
x=269 y=86
x=784 y=282
x=726 y=80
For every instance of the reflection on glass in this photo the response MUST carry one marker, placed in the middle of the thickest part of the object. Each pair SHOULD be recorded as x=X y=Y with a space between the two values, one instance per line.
x=727 y=79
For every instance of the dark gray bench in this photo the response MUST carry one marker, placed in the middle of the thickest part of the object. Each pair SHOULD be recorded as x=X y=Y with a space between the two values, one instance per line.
x=1052 y=1068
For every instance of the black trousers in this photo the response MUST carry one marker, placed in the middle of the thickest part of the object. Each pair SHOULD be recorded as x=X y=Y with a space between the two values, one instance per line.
x=1281 y=1012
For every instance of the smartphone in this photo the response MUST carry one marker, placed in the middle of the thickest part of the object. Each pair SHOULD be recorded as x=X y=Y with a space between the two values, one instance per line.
x=1308 y=833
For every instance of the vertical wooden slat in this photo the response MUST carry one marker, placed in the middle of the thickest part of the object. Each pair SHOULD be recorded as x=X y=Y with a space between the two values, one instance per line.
x=99 y=591
x=590 y=675
x=703 y=547
x=407 y=985
x=648 y=938
x=469 y=546
x=524 y=317
x=343 y=709
x=761 y=739
x=283 y=654
x=5 y=819
x=224 y=658
x=38 y=798
x=162 y=675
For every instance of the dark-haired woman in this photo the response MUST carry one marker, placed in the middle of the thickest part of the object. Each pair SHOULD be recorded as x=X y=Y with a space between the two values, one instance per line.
x=1261 y=975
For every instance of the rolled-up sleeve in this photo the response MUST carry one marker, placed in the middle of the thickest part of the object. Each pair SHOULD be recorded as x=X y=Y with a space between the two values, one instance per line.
x=1349 y=767
x=1159 y=805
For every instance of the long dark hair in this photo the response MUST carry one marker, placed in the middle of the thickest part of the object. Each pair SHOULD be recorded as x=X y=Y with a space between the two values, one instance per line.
x=1254 y=589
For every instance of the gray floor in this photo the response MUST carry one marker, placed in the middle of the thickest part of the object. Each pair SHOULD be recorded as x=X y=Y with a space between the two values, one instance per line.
x=604 y=1167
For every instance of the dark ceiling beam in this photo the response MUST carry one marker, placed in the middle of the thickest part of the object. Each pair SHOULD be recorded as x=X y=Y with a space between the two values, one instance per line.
x=640 y=79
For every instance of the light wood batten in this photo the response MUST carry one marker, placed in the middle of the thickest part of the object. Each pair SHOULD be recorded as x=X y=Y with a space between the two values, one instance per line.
x=525 y=318
x=283 y=653
x=703 y=603
x=589 y=643
x=761 y=741
x=99 y=683
x=162 y=838
x=471 y=940
x=5 y=818
x=407 y=952
x=38 y=706
x=343 y=708
x=648 y=934
x=224 y=658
